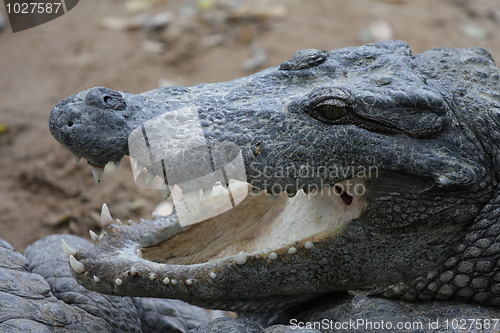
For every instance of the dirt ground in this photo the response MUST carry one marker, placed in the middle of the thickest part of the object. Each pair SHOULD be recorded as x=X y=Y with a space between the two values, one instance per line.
x=43 y=191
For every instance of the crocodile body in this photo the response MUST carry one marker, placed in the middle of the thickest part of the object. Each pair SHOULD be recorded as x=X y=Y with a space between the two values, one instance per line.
x=426 y=224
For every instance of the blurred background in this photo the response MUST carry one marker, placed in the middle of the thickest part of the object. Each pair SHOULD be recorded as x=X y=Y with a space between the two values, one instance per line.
x=138 y=45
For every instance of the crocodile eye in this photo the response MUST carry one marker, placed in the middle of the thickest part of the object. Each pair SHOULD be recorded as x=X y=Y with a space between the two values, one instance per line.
x=331 y=109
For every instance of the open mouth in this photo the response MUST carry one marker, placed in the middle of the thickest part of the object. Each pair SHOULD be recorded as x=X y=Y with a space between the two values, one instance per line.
x=261 y=234
x=261 y=225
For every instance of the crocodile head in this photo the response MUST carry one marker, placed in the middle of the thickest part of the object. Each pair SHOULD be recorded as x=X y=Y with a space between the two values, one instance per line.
x=369 y=168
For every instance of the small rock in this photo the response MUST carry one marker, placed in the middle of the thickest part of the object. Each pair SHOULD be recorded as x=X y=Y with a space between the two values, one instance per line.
x=164 y=82
x=471 y=30
x=204 y=5
x=258 y=59
x=213 y=40
x=136 y=205
x=136 y=6
x=4 y=128
x=157 y=22
x=481 y=11
x=381 y=30
x=377 y=31
x=259 y=11
x=152 y=46
x=119 y=23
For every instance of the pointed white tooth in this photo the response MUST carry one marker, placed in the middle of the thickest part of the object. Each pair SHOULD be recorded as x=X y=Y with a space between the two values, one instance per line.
x=117 y=164
x=106 y=218
x=272 y=256
x=77 y=266
x=110 y=166
x=97 y=174
x=138 y=167
x=177 y=193
x=241 y=258
x=118 y=282
x=119 y=222
x=154 y=214
x=152 y=276
x=207 y=192
x=149 y=178
x=309 y=245
x=96 y=279
x=68 y=250
x=213 y=275
x=76 y=158
x=166 y=280
x=93 y=235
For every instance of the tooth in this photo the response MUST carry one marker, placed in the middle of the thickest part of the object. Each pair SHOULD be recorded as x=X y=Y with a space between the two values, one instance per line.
x=76 y=158
x=189 y=282
x=213 y=275
x=191 y=201
x=272 y=256
x=110 y=166
x=93 y=235
x=133 y=271
x=96 y=279
x=106 y=218
x=77 y=266
x=166 y=280
x=97 y=173
x=149 y=178
x=118 y=282
x=152 y=276
x=207 y=192
x=292 y=250
x=68 y=250
x=154 y=214
x=117 y=164
x=138 y=167
x=241 y=258
x=309 y=245
x=119 y=222
x=177 y=193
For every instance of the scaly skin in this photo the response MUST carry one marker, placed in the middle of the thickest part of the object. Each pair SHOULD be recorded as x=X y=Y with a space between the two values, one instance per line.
x=426 y=226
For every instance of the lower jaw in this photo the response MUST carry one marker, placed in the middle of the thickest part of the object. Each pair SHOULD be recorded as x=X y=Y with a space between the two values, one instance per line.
x=258 y=245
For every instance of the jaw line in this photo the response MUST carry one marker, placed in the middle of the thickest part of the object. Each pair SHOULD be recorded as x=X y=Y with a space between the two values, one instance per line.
x=159 y=258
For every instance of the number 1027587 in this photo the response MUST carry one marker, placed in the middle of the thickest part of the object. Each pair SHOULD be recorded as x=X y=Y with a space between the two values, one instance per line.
x=34 y=7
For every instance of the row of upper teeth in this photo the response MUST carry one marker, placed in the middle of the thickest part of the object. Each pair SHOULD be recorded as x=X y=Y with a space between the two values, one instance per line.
x=98 y=172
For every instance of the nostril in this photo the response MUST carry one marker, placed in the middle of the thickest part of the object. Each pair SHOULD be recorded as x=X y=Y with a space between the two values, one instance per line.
x=70 y=123
x=106 y=98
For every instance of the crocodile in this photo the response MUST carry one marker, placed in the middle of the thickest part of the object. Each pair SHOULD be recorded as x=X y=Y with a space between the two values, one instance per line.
x=368 y=169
